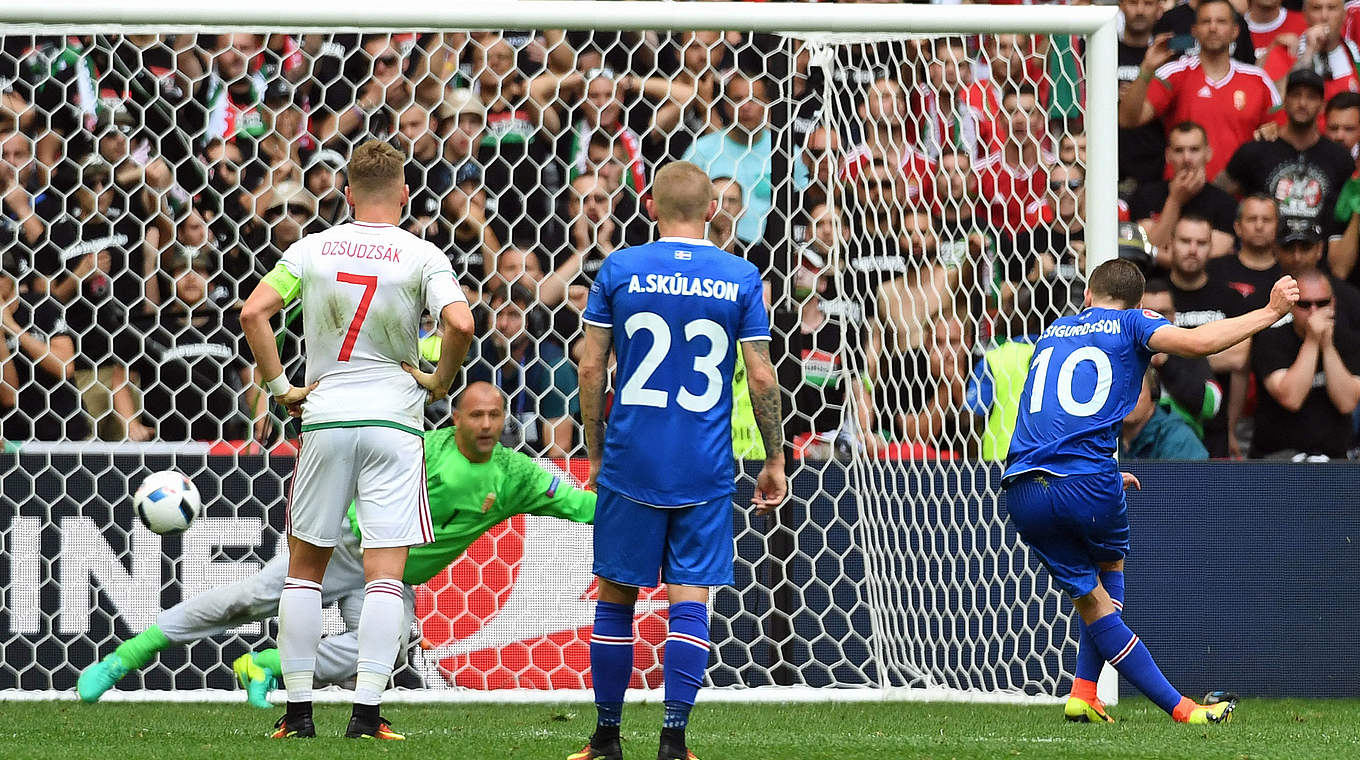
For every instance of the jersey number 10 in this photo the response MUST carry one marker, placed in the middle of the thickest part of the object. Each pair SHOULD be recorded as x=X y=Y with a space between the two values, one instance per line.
x=1066 y=399
x=635 y=390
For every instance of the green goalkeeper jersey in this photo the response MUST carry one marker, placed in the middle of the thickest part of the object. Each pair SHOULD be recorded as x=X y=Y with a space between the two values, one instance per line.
x=458 y=488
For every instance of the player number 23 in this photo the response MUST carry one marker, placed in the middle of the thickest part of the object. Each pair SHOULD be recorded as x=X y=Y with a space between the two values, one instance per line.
x=1066 y=399
x=636 y=392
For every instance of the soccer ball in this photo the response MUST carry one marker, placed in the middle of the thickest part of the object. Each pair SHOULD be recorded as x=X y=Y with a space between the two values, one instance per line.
x=167 y=502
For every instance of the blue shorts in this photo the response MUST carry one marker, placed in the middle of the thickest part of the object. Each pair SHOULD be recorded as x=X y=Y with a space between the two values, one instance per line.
x=689 y=546
x=1072 y=523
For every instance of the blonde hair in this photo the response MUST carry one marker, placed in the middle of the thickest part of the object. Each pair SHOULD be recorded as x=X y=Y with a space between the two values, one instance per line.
x=681 y=192
x=375 y=169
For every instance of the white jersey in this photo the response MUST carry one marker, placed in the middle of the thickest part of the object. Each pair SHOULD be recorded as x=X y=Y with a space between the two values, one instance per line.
x=363 y=287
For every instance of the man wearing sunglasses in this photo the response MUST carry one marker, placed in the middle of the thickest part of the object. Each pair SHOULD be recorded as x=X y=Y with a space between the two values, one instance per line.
x=1308 y=379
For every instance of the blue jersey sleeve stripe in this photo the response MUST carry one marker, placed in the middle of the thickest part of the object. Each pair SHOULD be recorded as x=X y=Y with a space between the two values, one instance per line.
x=750 y=338
x=590 y=321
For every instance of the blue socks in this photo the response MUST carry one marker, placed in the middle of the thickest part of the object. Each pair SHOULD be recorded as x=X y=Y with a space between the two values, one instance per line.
x=686 y=660
x=1089 y=661
x=611 y=659
x=1125 y=651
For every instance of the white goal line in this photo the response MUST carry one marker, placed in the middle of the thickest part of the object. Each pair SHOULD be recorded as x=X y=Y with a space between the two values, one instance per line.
x=759 y=694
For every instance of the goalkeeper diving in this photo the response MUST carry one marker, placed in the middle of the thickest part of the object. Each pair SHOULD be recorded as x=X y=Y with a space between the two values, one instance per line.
x=474 y=484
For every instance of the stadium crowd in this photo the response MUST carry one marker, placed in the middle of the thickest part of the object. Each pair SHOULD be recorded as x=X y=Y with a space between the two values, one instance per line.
x=916 y=205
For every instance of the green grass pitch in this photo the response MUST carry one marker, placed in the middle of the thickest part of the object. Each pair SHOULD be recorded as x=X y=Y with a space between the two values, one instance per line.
x=1264 y=729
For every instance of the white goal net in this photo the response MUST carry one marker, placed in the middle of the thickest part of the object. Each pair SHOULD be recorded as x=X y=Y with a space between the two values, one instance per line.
x=915 y=197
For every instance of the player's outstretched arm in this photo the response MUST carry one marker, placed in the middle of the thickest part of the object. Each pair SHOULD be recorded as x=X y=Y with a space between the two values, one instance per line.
x=592 y=372
x=1215 y=336
x=764 y=387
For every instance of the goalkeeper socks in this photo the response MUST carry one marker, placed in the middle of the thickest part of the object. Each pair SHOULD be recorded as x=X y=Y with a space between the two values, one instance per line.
x=1089 y=661
x=299 y=636
x=611 y=660
x=686 y=659
x=138 y=650
x=1126 y=653
x=380 y=634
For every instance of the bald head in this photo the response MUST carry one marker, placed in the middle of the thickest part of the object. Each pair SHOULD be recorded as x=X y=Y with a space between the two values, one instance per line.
x=479 y=417
x=479 y=393
x=682 y=194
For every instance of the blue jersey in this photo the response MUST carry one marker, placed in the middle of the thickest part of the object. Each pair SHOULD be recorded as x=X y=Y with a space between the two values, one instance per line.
x=1085 y=377
x=677 y=307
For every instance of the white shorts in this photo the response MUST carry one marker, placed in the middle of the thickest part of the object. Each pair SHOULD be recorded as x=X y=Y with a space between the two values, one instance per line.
x=380 y=469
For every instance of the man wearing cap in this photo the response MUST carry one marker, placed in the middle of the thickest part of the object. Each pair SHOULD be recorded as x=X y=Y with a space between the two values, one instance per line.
x=472 y=251
x=1300 y=252
x=1301 y=169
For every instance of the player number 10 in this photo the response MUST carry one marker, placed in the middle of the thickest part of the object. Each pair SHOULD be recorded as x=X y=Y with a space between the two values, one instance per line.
x=635 y=392
x=1065 y=372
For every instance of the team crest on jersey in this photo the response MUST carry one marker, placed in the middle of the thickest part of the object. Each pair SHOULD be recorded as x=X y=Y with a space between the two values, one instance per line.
x=1239 y=99
x=1150 y=314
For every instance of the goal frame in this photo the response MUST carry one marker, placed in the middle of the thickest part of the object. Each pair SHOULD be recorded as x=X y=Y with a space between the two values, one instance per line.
x=1096 y=23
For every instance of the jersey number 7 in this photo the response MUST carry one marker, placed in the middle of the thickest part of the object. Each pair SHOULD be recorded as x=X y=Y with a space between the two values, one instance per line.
x=370 y=283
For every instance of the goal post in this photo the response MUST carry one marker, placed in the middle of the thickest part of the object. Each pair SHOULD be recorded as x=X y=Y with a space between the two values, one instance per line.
x=891 y=574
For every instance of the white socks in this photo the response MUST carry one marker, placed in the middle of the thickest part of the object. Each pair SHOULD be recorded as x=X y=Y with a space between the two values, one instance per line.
x=299 y=636
x=380 y=637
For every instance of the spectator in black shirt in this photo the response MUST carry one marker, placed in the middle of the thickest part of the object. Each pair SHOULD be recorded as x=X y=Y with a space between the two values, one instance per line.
x=1140 y=148
x=1199 y=300
x=23 y=229
x=1180 y=19
x=1301 y=169
x=193 y=368
x=1158 y=205
x=40 y=363
x=823 y=359
x=1300 y=252
x=1252 y=272
x=1308 y=375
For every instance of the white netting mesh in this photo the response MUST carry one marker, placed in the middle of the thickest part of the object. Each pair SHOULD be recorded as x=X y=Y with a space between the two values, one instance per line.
x=911 y=201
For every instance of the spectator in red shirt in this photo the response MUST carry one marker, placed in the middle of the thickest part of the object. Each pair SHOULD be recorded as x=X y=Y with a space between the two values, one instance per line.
x=1229 y=99
x=1007 y=57
x=1272 y=26
x=1016 y=178
x=1321 y=48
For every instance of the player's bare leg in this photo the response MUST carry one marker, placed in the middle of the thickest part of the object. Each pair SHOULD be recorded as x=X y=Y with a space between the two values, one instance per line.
x=1083 y=704
x=300 y=633
x=1126 y=652
x=380 y=637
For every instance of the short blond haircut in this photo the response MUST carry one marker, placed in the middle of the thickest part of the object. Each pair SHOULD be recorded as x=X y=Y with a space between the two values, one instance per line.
x=376 y=169
x=681 y=192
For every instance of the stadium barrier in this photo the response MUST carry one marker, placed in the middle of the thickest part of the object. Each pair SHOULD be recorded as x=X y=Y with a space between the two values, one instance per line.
x=1233 y=581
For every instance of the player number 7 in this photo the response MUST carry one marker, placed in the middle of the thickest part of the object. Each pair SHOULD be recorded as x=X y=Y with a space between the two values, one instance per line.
x=370 y=283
